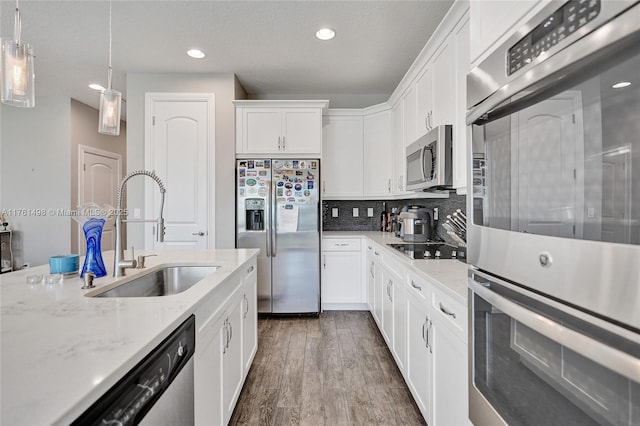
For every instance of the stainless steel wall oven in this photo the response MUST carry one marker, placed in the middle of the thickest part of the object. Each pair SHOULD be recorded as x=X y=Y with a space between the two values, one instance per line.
x=554 y=224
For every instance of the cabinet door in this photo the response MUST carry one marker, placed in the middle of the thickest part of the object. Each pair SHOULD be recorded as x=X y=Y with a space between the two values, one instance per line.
x=387 y=307
x=424 y=102
x=450 y=401
x=409 y=116
x=443 y=89
x=371 y=279
x=377 y=287
x=461 y=132
x=494 y=20
x=399 y=153
x=249 y=319
x=341 y=280
x=399 y=323
x=378 y=159
x=302 y=131
x=342 y=166
x=232 y=365
x=262 y=132
x=207 y=374
x=418 y=370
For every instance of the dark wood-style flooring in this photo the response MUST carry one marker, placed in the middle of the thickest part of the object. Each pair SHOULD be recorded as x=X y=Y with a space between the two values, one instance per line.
x=334 y=369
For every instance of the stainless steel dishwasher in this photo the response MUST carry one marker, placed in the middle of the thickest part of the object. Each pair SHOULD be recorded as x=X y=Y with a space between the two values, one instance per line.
x=157 y=391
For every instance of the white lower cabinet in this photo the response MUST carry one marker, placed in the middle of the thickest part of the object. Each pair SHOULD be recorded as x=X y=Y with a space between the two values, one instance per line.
x=226 y=342
x=249 y=318
x=450 y=402
x=371 y=277
x=232 y=365
x=418 y=371
x=377 y=286
x=342 y=285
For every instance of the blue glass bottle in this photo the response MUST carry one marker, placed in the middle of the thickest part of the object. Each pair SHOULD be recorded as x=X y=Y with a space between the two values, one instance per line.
x=93 y=260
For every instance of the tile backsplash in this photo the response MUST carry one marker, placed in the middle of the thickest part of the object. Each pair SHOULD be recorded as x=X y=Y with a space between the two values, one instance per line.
x=347 y=222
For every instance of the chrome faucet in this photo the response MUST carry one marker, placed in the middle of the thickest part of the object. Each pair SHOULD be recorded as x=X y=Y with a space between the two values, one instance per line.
x=119 y=262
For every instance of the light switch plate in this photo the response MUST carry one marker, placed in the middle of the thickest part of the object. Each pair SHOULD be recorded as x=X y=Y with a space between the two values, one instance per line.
x=370 y=212
x=356 y=212
x=334 y=212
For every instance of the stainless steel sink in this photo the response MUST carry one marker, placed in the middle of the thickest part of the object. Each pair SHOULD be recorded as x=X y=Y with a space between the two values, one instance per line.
x=163 y=282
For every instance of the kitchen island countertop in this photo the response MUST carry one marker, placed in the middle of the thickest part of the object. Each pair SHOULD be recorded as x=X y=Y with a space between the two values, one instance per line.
x=60 y=351
x=450 y=274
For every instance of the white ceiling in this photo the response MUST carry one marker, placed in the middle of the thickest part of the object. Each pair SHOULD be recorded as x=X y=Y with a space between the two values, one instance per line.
x=269 y=45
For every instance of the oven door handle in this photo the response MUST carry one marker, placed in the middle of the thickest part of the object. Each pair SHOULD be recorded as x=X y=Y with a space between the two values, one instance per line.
x=612 y=358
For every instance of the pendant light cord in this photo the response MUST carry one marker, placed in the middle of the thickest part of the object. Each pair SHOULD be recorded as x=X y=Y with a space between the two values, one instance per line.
x=17 y=25
x=109 y=75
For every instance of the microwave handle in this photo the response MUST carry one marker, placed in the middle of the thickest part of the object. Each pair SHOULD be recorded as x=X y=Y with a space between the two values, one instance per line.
x=612 y=358
x=422 y=153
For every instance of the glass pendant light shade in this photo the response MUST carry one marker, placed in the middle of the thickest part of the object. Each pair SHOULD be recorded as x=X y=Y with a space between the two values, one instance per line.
x=18 y=74
x=110 y=100
x=109 y=120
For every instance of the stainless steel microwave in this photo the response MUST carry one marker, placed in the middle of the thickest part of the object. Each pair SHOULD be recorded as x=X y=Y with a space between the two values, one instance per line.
x=429 y=161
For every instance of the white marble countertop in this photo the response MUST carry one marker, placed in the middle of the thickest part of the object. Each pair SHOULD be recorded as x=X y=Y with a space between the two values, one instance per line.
x=450 y=274
x=60 y=351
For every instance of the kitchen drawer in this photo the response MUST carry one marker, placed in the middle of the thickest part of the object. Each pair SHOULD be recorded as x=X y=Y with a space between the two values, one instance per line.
x=451 y=311
x=418 y=286
x=341 y=244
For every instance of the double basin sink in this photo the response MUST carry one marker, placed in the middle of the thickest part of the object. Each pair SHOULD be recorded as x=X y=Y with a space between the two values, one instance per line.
x=162 y=282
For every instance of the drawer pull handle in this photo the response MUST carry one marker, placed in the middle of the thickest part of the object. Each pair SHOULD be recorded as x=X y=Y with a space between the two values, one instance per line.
x=376 y=253
x=414 y=285
x=447 y=311
x=250 y=269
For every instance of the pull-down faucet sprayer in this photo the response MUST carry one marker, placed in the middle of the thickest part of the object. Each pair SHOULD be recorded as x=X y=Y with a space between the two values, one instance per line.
x=119 y=262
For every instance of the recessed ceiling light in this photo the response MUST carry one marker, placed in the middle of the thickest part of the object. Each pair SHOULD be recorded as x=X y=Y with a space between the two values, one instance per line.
x=96 y=86
x=621 y=84
x=325 y=34
x=195 y=53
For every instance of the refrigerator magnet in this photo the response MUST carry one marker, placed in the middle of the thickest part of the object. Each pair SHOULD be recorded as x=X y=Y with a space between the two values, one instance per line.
x=262 y=192
x=280 y=192
x=295 y=164
x=259 y=164
x=262 y=173
x=241 y=172
x=267 y=164
x=241 y=182
x=298 y=187
x=252 y=173
x=307 y=193
x=288 y=192
x=303 y=164
x=310 y=184
x=280 y=183
x=250 y=164
x=314 y=164
x=242 y=164
x=251 y=182
x=241 y=192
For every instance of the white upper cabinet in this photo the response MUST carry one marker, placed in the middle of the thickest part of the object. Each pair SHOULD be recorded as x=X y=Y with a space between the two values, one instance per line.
x=443 y=85
x=424 y=102
x=342 y=162
x=461 y=133
x=409 y=118
x=493 y=21
x=279 y=127
x=378 y=154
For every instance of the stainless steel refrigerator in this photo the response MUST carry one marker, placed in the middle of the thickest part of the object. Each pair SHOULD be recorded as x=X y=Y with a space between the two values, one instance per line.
x=278 y=211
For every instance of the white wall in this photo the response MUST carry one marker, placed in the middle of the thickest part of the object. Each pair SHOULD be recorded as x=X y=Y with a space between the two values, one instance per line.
x=224 y=86
x=84 y=131
x=35 y=162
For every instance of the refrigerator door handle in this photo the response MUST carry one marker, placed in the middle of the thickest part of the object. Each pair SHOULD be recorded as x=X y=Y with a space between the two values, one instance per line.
x=274 y=236
x=268 y=207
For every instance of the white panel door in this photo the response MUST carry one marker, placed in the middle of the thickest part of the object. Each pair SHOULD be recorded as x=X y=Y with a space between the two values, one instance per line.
x=546 y=160
x=101 y=173
x=180 y=157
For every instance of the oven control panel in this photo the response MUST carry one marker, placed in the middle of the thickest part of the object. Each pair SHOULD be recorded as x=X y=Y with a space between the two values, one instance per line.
x=553 y=29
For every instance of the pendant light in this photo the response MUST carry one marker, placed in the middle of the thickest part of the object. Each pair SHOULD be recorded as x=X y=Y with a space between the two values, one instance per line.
x=18 y=75
x=110 y=101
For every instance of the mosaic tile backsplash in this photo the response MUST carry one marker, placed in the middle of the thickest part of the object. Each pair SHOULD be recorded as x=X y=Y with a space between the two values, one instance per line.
x=346 y=222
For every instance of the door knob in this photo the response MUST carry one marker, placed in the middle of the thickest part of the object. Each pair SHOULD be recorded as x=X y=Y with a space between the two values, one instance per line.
x=199 y=233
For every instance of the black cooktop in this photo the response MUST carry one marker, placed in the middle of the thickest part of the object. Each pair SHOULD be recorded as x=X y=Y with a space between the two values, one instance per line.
x=430 y=250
